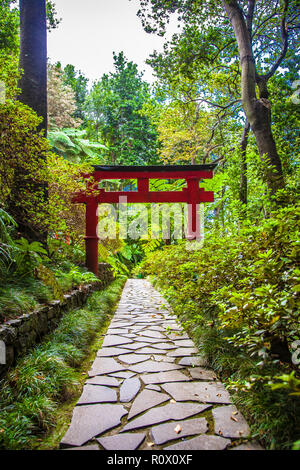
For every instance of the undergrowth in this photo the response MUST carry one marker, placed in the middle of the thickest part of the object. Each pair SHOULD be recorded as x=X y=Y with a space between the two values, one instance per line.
x=238 y=297
x=50 y=375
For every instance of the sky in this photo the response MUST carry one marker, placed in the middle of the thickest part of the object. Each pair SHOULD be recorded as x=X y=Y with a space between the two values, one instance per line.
x=91 y=30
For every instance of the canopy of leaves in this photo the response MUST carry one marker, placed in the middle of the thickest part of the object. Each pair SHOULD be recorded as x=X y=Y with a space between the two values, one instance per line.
x=113 y=113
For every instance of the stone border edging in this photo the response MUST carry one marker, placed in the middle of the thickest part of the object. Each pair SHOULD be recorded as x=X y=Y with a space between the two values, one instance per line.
x=20 y=334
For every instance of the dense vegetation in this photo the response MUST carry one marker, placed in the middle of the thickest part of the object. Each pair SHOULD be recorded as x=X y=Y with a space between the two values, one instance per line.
x=225 y=93
x=52 y=374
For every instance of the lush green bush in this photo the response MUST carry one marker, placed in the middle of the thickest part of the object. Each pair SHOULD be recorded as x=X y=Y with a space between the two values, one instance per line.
x=238 y=296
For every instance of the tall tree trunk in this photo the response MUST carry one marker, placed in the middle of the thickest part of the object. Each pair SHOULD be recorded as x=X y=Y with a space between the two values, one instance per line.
x=33 y=57
x=243 y=193
x=33 y=84
x=257 y=109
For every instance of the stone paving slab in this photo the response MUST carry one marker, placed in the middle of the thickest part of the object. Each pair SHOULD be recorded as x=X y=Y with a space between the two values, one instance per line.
x=206 y=392
x=148 y=380
x=147 y=399
x=129 y=389
x=178 y=429
x=122 y=441
x=176 y=411
x=202 y=443
x=229 y=422
x=90 y=421
x=97 y=394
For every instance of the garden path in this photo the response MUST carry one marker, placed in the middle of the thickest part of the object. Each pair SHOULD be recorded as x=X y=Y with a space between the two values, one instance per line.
x=149 y=389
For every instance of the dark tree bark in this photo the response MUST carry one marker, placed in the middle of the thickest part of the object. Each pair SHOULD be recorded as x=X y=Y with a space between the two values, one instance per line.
x=33 y=84
x=33 y=57
x=257 y=109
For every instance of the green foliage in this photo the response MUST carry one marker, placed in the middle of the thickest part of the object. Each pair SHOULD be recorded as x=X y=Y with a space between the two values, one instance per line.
x=28 y=256
x=50 y=374
x=78 y=83
x=113 y=114
x=73 y=145
x=238 y=297
x=9 y=47
x=289 y=382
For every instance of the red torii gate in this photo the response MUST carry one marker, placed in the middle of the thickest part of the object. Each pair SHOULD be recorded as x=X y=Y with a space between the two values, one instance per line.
x=191 y=194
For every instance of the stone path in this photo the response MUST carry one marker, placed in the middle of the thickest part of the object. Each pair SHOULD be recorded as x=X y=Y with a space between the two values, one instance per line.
x=148 y=388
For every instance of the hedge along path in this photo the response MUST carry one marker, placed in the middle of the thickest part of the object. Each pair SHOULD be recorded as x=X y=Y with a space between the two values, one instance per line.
x=149 y=389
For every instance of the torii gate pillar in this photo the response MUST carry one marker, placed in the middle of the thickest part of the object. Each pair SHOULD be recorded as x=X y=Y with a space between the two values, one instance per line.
x=91 y=237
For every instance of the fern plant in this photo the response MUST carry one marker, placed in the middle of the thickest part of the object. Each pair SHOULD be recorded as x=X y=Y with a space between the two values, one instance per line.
x=72 y=145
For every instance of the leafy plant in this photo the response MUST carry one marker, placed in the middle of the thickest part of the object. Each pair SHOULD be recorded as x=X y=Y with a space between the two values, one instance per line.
x=28 y=256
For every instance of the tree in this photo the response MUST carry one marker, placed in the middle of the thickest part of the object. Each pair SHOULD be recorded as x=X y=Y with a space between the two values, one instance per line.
x=33 y=57
x=78 y=82
x=261 y=34
x=61 y=101
x=114 y=115
x=9 y=47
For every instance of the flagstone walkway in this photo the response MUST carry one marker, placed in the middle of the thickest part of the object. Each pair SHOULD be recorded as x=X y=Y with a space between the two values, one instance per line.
x=148 y=388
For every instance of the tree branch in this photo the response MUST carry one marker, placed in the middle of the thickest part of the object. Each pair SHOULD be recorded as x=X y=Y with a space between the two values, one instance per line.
x=284 y=36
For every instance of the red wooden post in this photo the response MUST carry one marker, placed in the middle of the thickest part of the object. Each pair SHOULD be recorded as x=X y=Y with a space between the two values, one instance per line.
x=193 y=229
x=143 y=185
x=91 y=237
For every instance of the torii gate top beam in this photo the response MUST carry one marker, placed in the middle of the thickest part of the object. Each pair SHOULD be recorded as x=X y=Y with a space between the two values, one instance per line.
x=154 y=171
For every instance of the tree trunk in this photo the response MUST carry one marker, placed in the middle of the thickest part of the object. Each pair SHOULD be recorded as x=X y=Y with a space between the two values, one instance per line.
x=33 y=57
x=33 y=84
x=257 y=110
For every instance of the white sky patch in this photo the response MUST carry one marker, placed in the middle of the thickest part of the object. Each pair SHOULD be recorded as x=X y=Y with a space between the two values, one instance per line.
x=92 y=29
